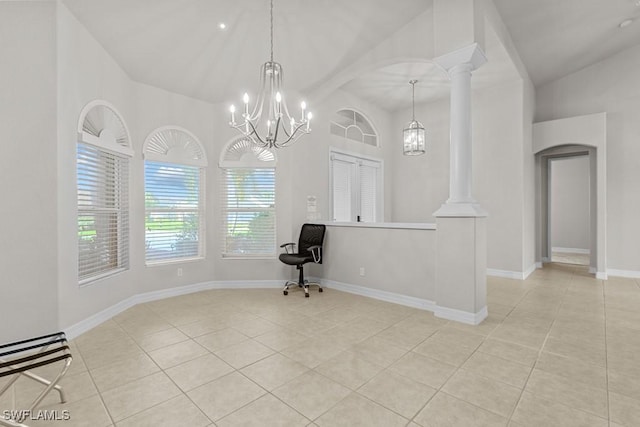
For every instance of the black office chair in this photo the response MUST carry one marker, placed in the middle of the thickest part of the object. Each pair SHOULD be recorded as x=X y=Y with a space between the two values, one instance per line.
x=309 y=250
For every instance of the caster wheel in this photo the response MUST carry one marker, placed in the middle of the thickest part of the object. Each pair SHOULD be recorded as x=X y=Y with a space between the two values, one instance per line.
x=320 y=290
x=306 y=295
x=285 y=292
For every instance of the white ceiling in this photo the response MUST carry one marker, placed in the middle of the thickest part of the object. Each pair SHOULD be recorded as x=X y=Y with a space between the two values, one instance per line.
x=558 y=37
x=176 y=44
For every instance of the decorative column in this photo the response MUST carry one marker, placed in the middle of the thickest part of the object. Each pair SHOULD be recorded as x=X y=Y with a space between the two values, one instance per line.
x=461 y=254
x=459 y=65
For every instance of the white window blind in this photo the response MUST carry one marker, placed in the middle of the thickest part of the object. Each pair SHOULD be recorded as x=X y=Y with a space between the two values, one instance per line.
x=173 y=211
x=249 y=224
x=343 y=178
x=103 y=212
x=356 y=188
x=368 y=192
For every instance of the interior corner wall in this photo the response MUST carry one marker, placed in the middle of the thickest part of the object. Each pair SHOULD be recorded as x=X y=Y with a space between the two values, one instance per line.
x=421 y=184
x=529 y=179
x=608 y=86
x=28 y=169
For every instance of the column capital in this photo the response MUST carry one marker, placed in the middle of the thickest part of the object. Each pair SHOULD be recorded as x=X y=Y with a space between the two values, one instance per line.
x=460 y=210
x=471 y=54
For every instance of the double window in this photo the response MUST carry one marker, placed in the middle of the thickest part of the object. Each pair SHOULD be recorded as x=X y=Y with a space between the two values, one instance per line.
x=174 y=198
x=356 y=187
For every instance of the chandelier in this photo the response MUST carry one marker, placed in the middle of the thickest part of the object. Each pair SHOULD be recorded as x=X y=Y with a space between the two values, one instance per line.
x=413 y=133
x=269 y=125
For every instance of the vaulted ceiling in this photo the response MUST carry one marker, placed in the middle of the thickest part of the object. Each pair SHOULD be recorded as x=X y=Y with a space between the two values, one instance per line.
x=178 y=45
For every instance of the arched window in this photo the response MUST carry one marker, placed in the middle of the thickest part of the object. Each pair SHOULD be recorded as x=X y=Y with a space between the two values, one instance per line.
x=352 y=125
x=248 y=200
x=174 y=162
x=102 y=166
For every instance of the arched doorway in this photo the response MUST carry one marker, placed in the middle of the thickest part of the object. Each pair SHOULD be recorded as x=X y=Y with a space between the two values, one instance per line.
x=575 y=136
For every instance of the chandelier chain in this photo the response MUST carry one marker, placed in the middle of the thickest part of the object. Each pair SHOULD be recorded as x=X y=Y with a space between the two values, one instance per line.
x=271 y=11
x=413 y=98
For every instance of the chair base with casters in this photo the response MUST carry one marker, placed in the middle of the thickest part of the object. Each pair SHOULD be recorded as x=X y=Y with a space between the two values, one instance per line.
x=309 y=250
x=301 y=283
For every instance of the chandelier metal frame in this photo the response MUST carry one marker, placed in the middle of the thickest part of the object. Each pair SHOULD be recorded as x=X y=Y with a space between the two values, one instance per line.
x=280 y=129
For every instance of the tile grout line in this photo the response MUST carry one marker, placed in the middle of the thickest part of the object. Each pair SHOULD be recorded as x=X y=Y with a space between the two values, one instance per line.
x=457 y=368
x=533 y=367
x=606 y=352
x=167 y=375
x=104 y=405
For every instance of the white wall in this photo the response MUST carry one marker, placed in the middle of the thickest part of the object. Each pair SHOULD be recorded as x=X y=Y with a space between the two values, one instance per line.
x=609 y=86
x=28 y=217
x=569 y=208
x=85 y=72
x=529 y=180
x=421 y=184
x=310 y=157
x=394 y=260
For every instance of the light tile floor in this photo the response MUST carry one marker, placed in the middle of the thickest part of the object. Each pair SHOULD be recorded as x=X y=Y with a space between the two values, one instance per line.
x=570 y=258
x=559 y=349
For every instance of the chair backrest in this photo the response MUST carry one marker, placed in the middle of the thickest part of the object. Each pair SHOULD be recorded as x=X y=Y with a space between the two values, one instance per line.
x=310 y=235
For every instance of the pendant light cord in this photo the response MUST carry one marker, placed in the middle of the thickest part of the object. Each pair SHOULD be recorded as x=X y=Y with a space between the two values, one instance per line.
x=413 y=99
x=271 y=30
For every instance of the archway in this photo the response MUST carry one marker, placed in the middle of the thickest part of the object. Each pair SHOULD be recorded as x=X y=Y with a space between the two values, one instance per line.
x=583 y=135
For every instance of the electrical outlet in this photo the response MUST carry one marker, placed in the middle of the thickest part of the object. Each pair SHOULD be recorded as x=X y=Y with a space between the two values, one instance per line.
x=179 y=272
x=362 y=271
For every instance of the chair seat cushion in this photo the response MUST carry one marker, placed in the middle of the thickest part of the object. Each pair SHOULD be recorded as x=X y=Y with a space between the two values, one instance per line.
x=296 y=259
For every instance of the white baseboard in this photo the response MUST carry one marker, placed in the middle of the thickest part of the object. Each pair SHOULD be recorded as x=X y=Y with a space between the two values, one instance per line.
x=528 y=272
x=517 y=275
x=408 y=301
x=85 y=325
x=561 y=250
x=539 y=264
x=601 y=275
x=461 y=316
x=91 y=322
x=632 y=274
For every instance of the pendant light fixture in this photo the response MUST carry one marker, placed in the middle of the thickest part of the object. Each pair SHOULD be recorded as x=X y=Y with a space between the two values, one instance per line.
x=269 y=125
x=413 y=133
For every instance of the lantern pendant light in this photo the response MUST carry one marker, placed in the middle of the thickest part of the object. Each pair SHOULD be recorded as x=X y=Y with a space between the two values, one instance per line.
x=413 y=133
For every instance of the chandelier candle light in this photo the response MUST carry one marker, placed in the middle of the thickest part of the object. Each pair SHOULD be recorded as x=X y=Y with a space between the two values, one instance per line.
x=280 y=129
x=413 y=133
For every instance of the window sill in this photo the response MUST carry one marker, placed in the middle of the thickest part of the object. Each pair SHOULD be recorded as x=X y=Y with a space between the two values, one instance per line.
x=89 y=281
x=173 y=261
x=401 y=225
x=250 y=258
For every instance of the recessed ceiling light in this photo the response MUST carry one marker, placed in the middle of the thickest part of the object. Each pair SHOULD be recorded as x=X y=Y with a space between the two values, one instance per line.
x=625 y=23
x=222 y=26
